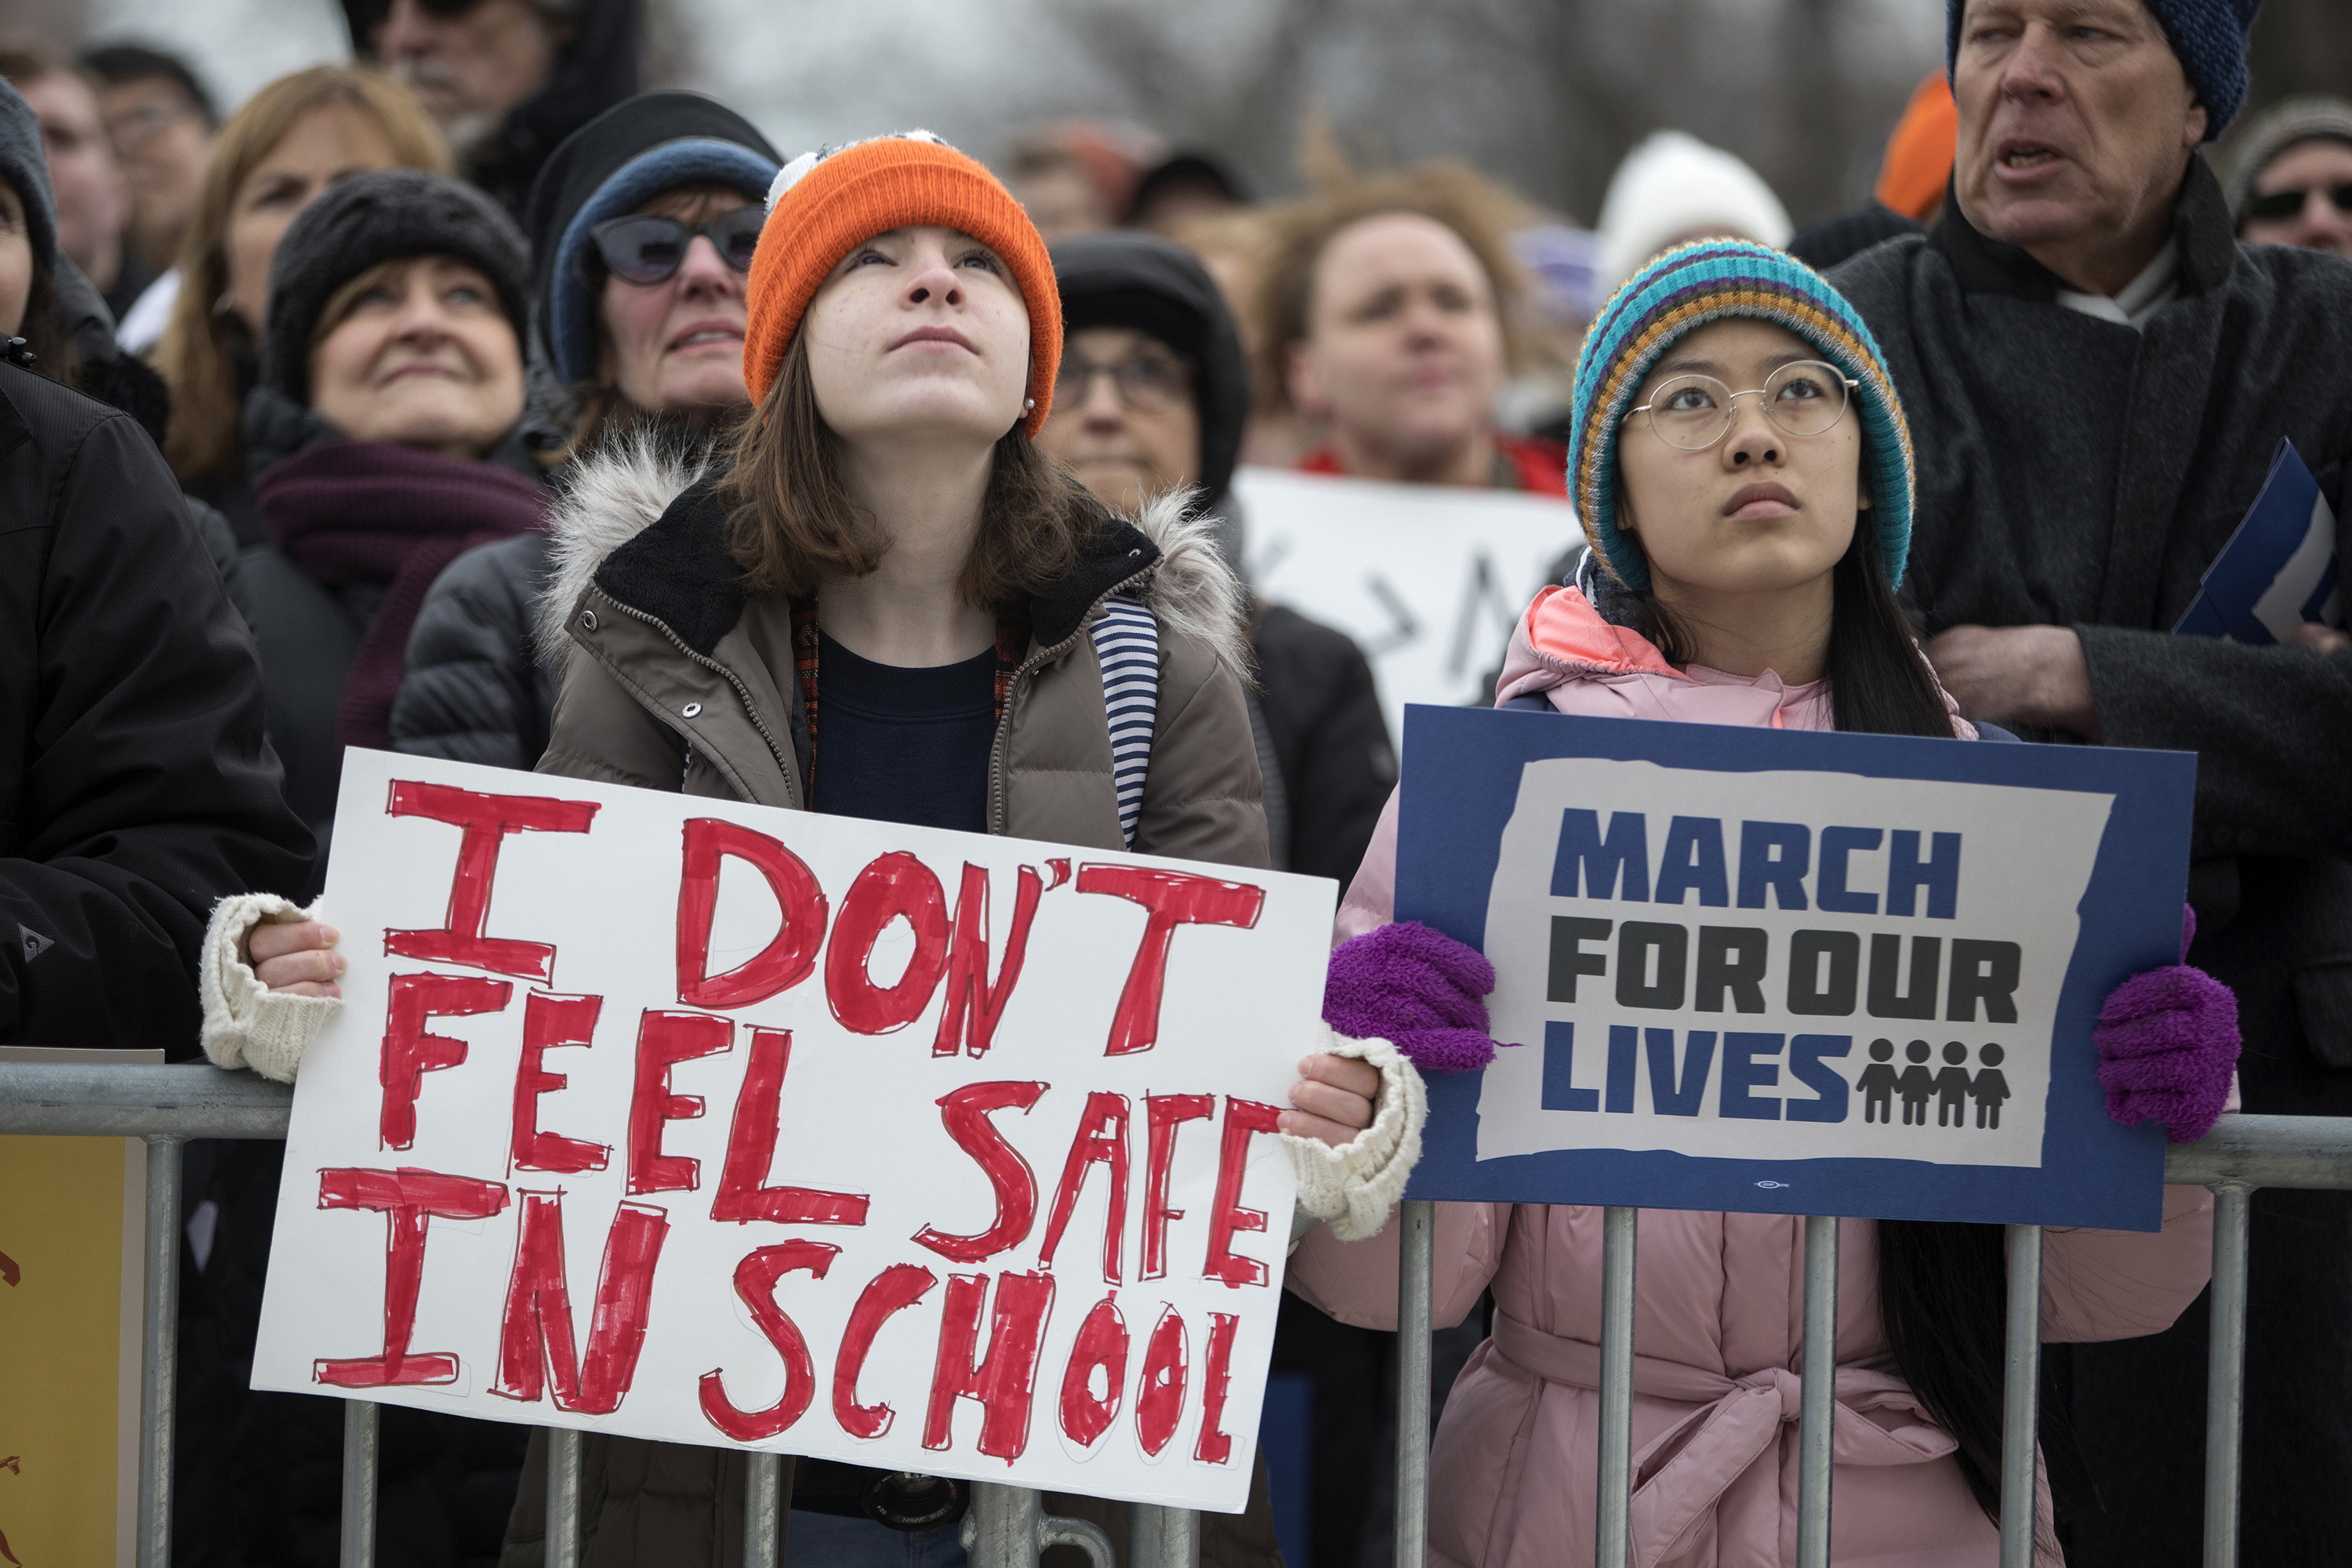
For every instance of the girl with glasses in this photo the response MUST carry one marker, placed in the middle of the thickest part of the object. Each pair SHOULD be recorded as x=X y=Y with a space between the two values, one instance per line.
x=1743 y=473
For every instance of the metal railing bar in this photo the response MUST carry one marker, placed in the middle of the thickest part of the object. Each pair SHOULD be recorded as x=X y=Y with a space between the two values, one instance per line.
x=763 y=1510
x=1160 y=1537
x=188 y=1099
x=2305 y=1152
x=2225 y=1377
x=563 y=1497
x=2019 y=1433
x=360 y=1419
x=1415 y=1279
x=159 y=1351
x=1818 y=1411
x=1000 y=1528
x=1619 y=1228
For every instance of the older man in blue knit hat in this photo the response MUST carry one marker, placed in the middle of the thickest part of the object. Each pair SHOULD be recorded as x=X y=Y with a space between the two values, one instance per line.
x=2096 y=374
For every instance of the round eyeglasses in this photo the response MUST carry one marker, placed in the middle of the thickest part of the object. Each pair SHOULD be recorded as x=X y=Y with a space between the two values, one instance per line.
x=1691 y=412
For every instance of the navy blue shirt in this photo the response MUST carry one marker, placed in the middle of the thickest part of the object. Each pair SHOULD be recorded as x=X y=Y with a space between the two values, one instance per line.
x=904 y=745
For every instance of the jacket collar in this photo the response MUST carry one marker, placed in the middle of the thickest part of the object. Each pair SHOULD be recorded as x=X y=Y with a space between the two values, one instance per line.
x=2200 y=226
x=680 y=571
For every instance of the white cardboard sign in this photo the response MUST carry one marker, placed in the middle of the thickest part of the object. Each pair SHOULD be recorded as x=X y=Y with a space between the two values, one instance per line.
x=1428 y=579
x=718 y=1124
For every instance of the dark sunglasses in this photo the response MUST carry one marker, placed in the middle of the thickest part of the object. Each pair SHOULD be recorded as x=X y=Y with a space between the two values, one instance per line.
x=644 y=249
x=2287 y=204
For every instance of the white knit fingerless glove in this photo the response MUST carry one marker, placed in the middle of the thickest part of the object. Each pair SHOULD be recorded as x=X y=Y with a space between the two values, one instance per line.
x=1353 y=1187
x=246 y=1024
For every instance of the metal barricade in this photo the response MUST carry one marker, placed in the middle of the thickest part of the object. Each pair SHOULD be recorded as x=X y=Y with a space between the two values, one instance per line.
x=1007 y=1528
x=166 y=1106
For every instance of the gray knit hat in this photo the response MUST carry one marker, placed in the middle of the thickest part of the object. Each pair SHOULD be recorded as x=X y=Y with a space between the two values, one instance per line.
x=26 y=170
x=2281 y=126
x=388 y=216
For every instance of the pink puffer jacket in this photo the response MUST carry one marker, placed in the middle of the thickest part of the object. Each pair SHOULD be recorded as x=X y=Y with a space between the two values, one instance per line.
x=1719 y=1312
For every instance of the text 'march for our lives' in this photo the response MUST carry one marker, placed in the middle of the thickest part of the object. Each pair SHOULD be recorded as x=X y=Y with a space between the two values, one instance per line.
x=1791 y=972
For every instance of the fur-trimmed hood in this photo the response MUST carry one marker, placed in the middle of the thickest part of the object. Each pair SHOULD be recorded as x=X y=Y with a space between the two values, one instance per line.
x=1167 y=559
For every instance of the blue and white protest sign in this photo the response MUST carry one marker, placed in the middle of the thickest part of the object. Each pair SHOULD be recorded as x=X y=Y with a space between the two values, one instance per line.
x=1791 y=972
x=2279 y=569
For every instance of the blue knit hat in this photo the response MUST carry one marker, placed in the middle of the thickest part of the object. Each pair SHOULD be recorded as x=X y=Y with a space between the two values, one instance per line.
x=2209 y=37
x=1676 y=294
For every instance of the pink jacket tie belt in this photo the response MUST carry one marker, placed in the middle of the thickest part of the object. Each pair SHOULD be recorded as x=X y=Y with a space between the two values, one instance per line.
x=1679 y=1475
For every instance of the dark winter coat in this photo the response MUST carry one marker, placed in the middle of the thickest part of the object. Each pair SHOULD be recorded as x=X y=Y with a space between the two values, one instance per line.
x=136 y=787
x=473 y=692
x=2074 y=471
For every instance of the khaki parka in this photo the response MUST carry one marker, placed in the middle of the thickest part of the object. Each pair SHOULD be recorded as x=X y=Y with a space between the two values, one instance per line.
x=664 y=690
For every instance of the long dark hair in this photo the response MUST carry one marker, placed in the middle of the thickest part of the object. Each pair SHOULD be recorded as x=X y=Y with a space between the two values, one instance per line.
x=1942 y=1288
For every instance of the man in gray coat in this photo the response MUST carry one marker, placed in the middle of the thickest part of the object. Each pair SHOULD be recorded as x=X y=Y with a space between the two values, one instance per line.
x=2097 y=375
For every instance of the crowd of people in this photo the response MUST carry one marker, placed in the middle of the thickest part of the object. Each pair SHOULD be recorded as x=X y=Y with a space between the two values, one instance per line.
x=468 y=401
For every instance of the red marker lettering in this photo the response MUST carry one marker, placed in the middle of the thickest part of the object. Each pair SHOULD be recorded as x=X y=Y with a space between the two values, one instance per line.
x=1159 y=1403
x=1216 y=1445
x=791 y=954
x=487 y=820
x=968 y=1019
x=408 y=1198
x=893 y=1289
x=548 y=1021
x=1244 y=1117
x=1002 y=1380
x=1101 y=1140
x=895 y=886
x=1101 y=1342
x=966 y=1110
x=664 y=1040
x=535 y=1334
x=1173 y=899
x=409 y=1053
x=1163 y=1114
x=755 y=1284
x=752 y=1148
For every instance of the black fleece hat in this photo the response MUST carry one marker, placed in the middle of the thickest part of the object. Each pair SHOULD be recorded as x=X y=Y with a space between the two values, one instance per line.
x=388 y=216
x=26 y=168
x=1123 y=278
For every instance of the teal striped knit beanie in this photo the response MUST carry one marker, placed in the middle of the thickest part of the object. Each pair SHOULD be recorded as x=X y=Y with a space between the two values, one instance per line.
x=1683 y=291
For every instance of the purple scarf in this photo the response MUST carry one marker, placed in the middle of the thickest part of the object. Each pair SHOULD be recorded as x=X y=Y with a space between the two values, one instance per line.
x=366 y=511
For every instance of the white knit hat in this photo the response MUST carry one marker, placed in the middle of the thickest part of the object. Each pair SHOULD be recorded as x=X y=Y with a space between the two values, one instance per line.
x=1674 y=187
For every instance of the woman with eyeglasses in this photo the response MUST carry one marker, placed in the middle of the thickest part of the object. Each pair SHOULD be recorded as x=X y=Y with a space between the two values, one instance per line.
x=1743 y=473
x=643 y=225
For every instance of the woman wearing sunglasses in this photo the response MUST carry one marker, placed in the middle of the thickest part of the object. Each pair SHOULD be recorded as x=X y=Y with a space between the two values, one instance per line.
x=1743 y=473
x=643 y=225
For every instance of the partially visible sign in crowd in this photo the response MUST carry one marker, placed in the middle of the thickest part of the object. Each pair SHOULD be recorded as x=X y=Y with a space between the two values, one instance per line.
x=1428 y=579
x=707 y=1122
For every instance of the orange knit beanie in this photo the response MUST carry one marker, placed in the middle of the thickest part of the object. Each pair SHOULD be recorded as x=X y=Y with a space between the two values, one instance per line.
x=825 y=202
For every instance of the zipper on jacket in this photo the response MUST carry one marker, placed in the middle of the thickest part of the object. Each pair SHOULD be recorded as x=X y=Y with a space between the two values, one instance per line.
x=751 y=707
x=1030 y=666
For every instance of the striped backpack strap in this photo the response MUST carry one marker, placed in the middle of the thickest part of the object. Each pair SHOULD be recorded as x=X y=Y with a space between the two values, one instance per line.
x=1126 y=640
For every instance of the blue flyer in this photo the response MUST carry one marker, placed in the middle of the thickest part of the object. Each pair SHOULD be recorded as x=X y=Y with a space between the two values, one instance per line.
x=2279 y=569
x=1791 y=972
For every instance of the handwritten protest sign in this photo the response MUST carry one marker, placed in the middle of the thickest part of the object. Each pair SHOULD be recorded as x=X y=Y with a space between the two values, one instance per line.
x=1791 y=972
x=725 y=1125
x=1428 y=579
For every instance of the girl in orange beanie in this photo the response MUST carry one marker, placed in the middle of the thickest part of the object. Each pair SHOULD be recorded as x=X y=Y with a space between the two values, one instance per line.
x=883 y=600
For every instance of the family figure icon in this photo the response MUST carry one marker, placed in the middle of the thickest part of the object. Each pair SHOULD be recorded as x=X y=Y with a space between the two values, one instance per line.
x=1951 y=1088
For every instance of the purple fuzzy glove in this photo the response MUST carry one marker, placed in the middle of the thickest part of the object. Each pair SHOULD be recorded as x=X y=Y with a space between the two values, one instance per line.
x=1417 y=988
x=2168 y=1044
